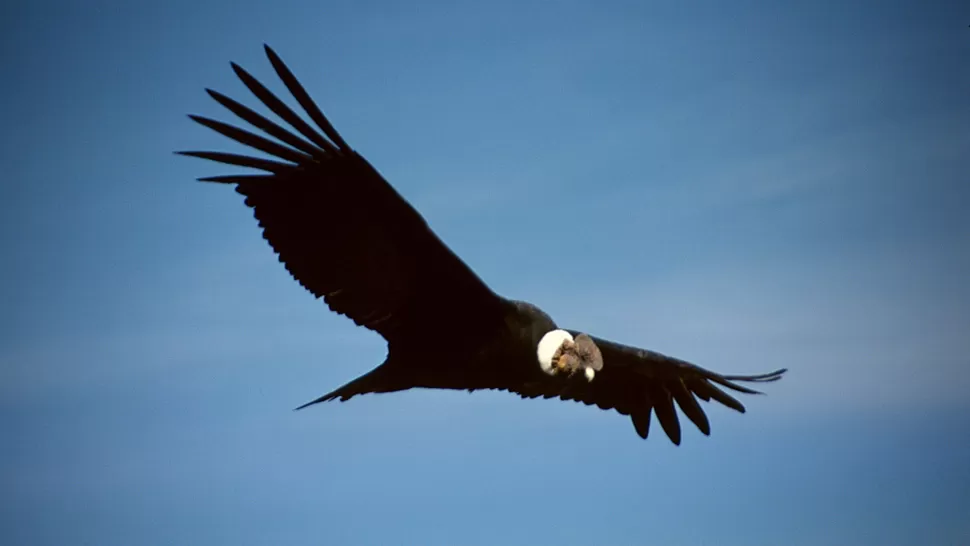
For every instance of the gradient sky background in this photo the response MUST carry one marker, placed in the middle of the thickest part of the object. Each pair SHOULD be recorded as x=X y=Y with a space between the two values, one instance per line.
x=757 y=186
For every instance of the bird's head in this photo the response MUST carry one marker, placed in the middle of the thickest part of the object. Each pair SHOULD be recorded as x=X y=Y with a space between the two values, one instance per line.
x=560 y=354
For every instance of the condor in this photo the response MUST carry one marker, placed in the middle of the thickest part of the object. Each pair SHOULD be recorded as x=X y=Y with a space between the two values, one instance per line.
x=349 y=238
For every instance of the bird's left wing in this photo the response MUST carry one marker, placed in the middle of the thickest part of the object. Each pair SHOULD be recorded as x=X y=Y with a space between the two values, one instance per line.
x=638 y=382
x=341 y=230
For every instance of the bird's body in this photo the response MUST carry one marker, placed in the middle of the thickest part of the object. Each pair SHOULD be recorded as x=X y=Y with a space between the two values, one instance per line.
x=491 y=357
x=350 y=239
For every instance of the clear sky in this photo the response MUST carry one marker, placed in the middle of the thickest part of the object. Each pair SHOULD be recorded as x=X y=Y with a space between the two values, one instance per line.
x=756 y=185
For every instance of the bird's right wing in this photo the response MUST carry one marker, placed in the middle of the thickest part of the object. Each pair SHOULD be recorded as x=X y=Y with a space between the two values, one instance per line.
x=341 y=230
x=638 y=382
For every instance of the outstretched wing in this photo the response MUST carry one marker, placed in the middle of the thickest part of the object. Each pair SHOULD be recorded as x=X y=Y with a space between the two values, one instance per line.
x=340 y=229
x=638 y=382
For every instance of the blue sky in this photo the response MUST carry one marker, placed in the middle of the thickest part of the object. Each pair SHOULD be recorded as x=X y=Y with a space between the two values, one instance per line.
x=756 y=186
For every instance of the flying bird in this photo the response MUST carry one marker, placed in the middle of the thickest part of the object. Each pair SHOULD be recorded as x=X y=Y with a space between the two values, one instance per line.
x=350 y=239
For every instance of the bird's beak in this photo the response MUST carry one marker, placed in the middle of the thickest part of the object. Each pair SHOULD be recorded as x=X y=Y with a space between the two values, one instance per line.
x=577 y=355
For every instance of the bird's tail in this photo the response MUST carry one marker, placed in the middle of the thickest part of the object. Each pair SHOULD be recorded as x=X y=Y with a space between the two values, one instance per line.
x=380 y=379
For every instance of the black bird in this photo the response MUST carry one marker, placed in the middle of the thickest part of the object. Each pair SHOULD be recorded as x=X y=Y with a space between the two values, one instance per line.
x=348 y=237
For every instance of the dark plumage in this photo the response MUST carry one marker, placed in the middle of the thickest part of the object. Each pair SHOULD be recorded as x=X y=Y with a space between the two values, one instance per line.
x=348 y=237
